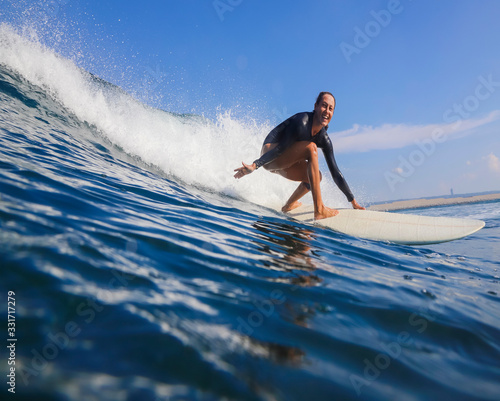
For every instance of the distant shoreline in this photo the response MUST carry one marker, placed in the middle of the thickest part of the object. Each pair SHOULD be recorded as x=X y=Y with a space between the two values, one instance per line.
x=419 y=203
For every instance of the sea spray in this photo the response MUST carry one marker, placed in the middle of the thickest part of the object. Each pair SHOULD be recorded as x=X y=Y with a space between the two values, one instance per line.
x=190 y=148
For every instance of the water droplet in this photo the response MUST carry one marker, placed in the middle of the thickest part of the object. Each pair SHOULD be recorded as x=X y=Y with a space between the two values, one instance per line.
x=325 y=308
x=428 y=294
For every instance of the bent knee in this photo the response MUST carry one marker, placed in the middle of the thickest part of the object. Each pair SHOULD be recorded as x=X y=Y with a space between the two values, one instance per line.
x=312 y=150
x=312 y=146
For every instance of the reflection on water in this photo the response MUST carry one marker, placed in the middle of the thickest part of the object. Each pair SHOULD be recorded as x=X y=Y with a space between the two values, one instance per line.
x=289 y=247
x=290 y=252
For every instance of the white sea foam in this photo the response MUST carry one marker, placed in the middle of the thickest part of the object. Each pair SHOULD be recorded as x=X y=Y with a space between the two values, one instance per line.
x=190 y=148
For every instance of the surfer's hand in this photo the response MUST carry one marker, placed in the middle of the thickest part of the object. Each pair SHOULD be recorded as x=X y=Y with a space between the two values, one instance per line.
x=356 y=205
x=246 y=169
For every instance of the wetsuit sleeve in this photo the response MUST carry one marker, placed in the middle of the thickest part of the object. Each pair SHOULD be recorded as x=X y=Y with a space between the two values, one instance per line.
x=268 y=157
x=283 y=136
x=334 y=170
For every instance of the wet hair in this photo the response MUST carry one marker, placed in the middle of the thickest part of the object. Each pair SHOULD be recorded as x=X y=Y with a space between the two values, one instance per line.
x=320 y=98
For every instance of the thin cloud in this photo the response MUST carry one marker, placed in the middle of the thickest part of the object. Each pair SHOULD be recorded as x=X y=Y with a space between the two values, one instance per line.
x=493 y=163
x=394 y=136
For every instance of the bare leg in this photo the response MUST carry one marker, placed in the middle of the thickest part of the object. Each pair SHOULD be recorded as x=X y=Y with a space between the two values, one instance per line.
x=320 y=210
x=300 y=163
x=293 y=202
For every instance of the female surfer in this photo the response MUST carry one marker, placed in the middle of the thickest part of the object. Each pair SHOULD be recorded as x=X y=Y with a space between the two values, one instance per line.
x=291 y=150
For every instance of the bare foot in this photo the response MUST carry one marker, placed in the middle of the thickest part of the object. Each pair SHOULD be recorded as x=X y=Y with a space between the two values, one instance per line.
x=294 y=205
x=325 y=213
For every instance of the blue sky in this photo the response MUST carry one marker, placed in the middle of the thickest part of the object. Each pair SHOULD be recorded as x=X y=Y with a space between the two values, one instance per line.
x=417 y=82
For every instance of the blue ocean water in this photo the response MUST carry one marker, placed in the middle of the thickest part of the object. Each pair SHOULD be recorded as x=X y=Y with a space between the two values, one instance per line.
x=141 y=270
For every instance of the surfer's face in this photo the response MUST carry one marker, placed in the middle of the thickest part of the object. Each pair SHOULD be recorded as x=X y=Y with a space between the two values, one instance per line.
x=323 y=110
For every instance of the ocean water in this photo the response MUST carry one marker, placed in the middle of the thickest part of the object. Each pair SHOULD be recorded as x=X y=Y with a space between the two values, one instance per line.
x=141 y=270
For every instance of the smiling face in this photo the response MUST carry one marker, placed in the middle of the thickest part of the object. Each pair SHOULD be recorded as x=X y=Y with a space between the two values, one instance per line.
x=323 y=110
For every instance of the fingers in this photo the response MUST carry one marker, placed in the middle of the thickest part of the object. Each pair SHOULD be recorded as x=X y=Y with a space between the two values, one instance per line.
x=246 y=169
x=240 y=168
x=242 y=171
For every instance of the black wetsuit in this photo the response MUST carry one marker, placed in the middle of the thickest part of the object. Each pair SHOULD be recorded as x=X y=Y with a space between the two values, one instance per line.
x=299 y=128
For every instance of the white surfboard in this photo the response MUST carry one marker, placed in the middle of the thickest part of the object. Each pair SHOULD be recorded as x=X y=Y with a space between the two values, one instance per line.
x=399 y=228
